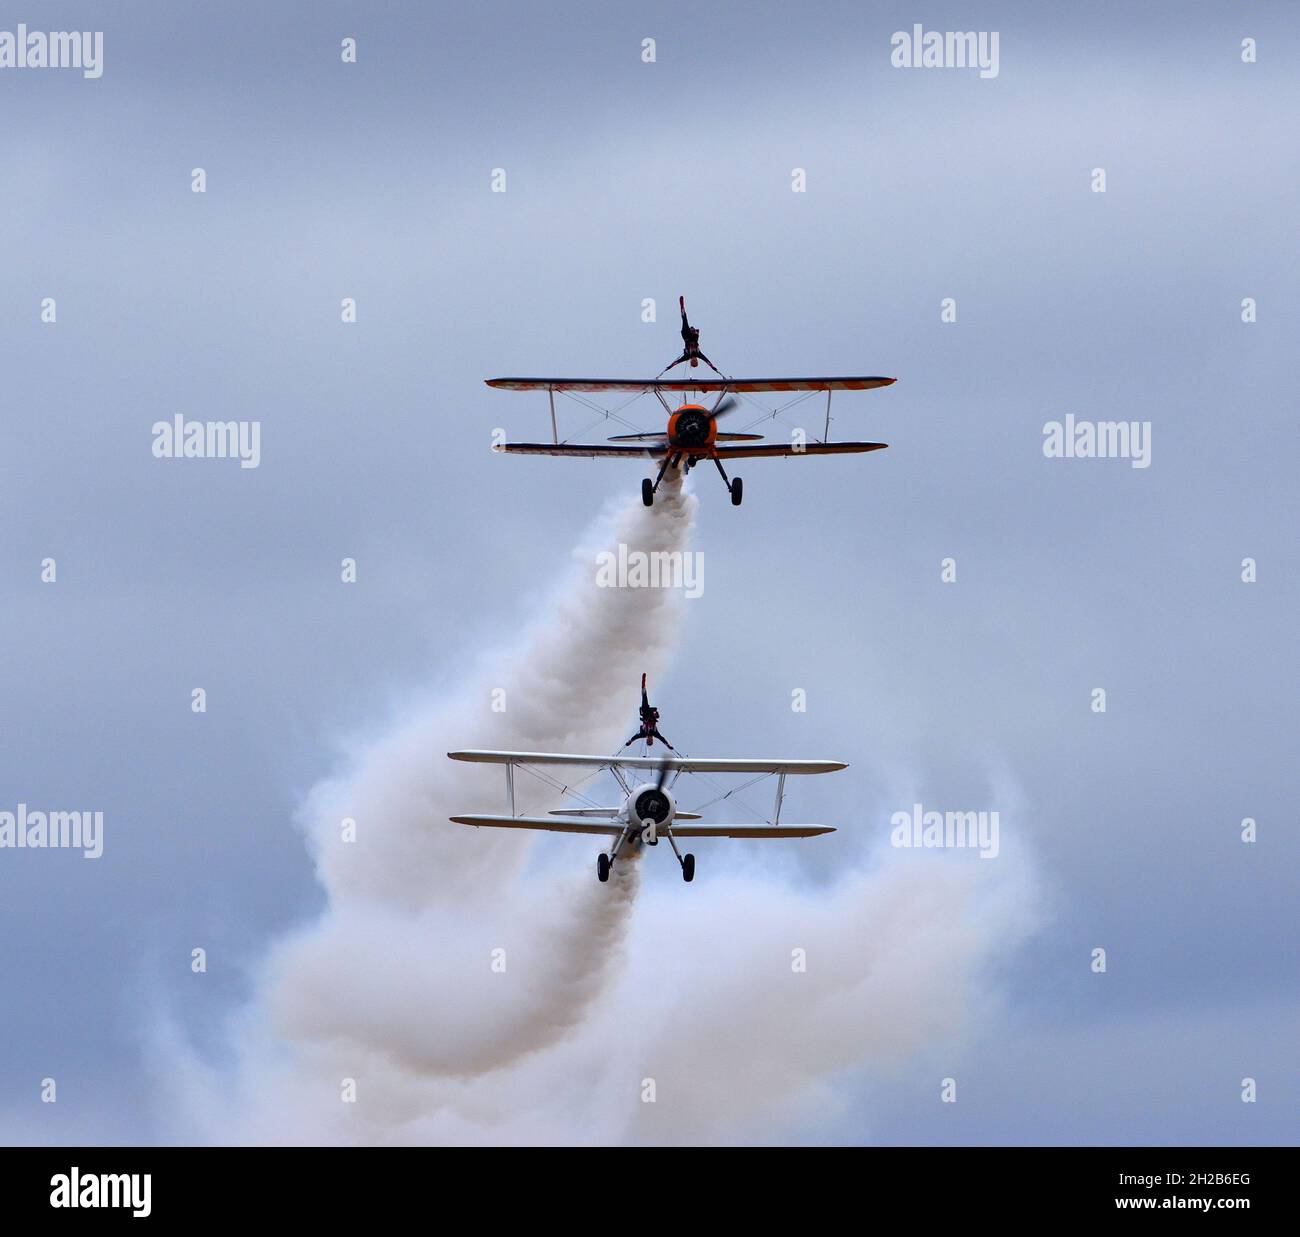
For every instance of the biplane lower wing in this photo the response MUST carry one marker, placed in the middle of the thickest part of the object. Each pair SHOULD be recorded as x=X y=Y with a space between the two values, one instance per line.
x=750 y=831
x=650 y=450
x=786 y=448
x=552 y=824
x=592 y=450
x=651 y=764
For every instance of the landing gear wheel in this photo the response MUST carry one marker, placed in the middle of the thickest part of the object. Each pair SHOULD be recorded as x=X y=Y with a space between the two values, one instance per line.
x=602 y=867
x=647 y=492
x=688 y=868
x=737 y=491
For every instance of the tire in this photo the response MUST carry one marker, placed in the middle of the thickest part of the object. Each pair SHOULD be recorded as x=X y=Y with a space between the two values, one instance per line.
x=737 y=491
x=647 y=492
x=688 y=868
x=602 y=867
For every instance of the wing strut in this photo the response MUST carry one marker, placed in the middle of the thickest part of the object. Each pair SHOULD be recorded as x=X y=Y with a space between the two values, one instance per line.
x=780 y=797
x=510 y=784
x=555 y=433
x=826 y=434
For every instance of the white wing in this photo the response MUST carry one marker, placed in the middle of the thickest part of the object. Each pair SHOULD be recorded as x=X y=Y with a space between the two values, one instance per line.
x=750 y=831
x=555 y=824
x=653 y=764
x=552 y=824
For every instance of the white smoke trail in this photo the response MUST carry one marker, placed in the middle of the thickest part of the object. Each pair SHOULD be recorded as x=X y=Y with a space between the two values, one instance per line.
x=416 y=989
x=396 y=975
x=566 y=685
x=393 y=988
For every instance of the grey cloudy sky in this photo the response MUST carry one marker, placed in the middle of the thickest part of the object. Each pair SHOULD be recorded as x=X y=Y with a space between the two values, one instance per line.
x=628 y=181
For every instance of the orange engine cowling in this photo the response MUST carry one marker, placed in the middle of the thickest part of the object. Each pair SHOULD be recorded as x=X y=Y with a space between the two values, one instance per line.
x=692 y=427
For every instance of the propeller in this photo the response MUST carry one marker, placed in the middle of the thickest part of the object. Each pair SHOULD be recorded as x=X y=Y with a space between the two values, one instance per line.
x=728 y=403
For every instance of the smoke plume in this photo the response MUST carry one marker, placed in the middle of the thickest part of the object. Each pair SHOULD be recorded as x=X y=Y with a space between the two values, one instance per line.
x=463 y=986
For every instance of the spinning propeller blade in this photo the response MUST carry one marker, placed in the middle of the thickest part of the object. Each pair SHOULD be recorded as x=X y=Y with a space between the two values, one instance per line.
x=662 y=769
x=728 y=403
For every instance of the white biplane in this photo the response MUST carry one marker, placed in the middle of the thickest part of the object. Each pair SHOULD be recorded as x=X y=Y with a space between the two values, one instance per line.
x=692 y=433
x=649 y=809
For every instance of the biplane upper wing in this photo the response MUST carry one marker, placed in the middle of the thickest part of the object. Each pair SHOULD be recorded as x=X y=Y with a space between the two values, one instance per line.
x=659 y=437
x=652 y=764
x=742 y=385
x=787 y=448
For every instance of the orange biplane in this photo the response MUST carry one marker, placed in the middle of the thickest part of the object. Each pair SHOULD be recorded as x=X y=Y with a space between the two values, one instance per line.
x=692 y=432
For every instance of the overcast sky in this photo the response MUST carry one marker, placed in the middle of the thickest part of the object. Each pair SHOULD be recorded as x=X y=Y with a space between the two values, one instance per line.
x=625 y=181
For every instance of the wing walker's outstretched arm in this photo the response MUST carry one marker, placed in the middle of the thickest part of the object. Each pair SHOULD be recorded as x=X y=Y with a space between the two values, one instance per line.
x=649 y=734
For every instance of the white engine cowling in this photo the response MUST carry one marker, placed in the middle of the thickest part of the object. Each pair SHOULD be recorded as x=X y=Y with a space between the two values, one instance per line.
x=651 y=807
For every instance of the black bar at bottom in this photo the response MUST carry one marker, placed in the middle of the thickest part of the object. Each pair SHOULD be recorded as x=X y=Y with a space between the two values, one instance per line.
x=339 y=1185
